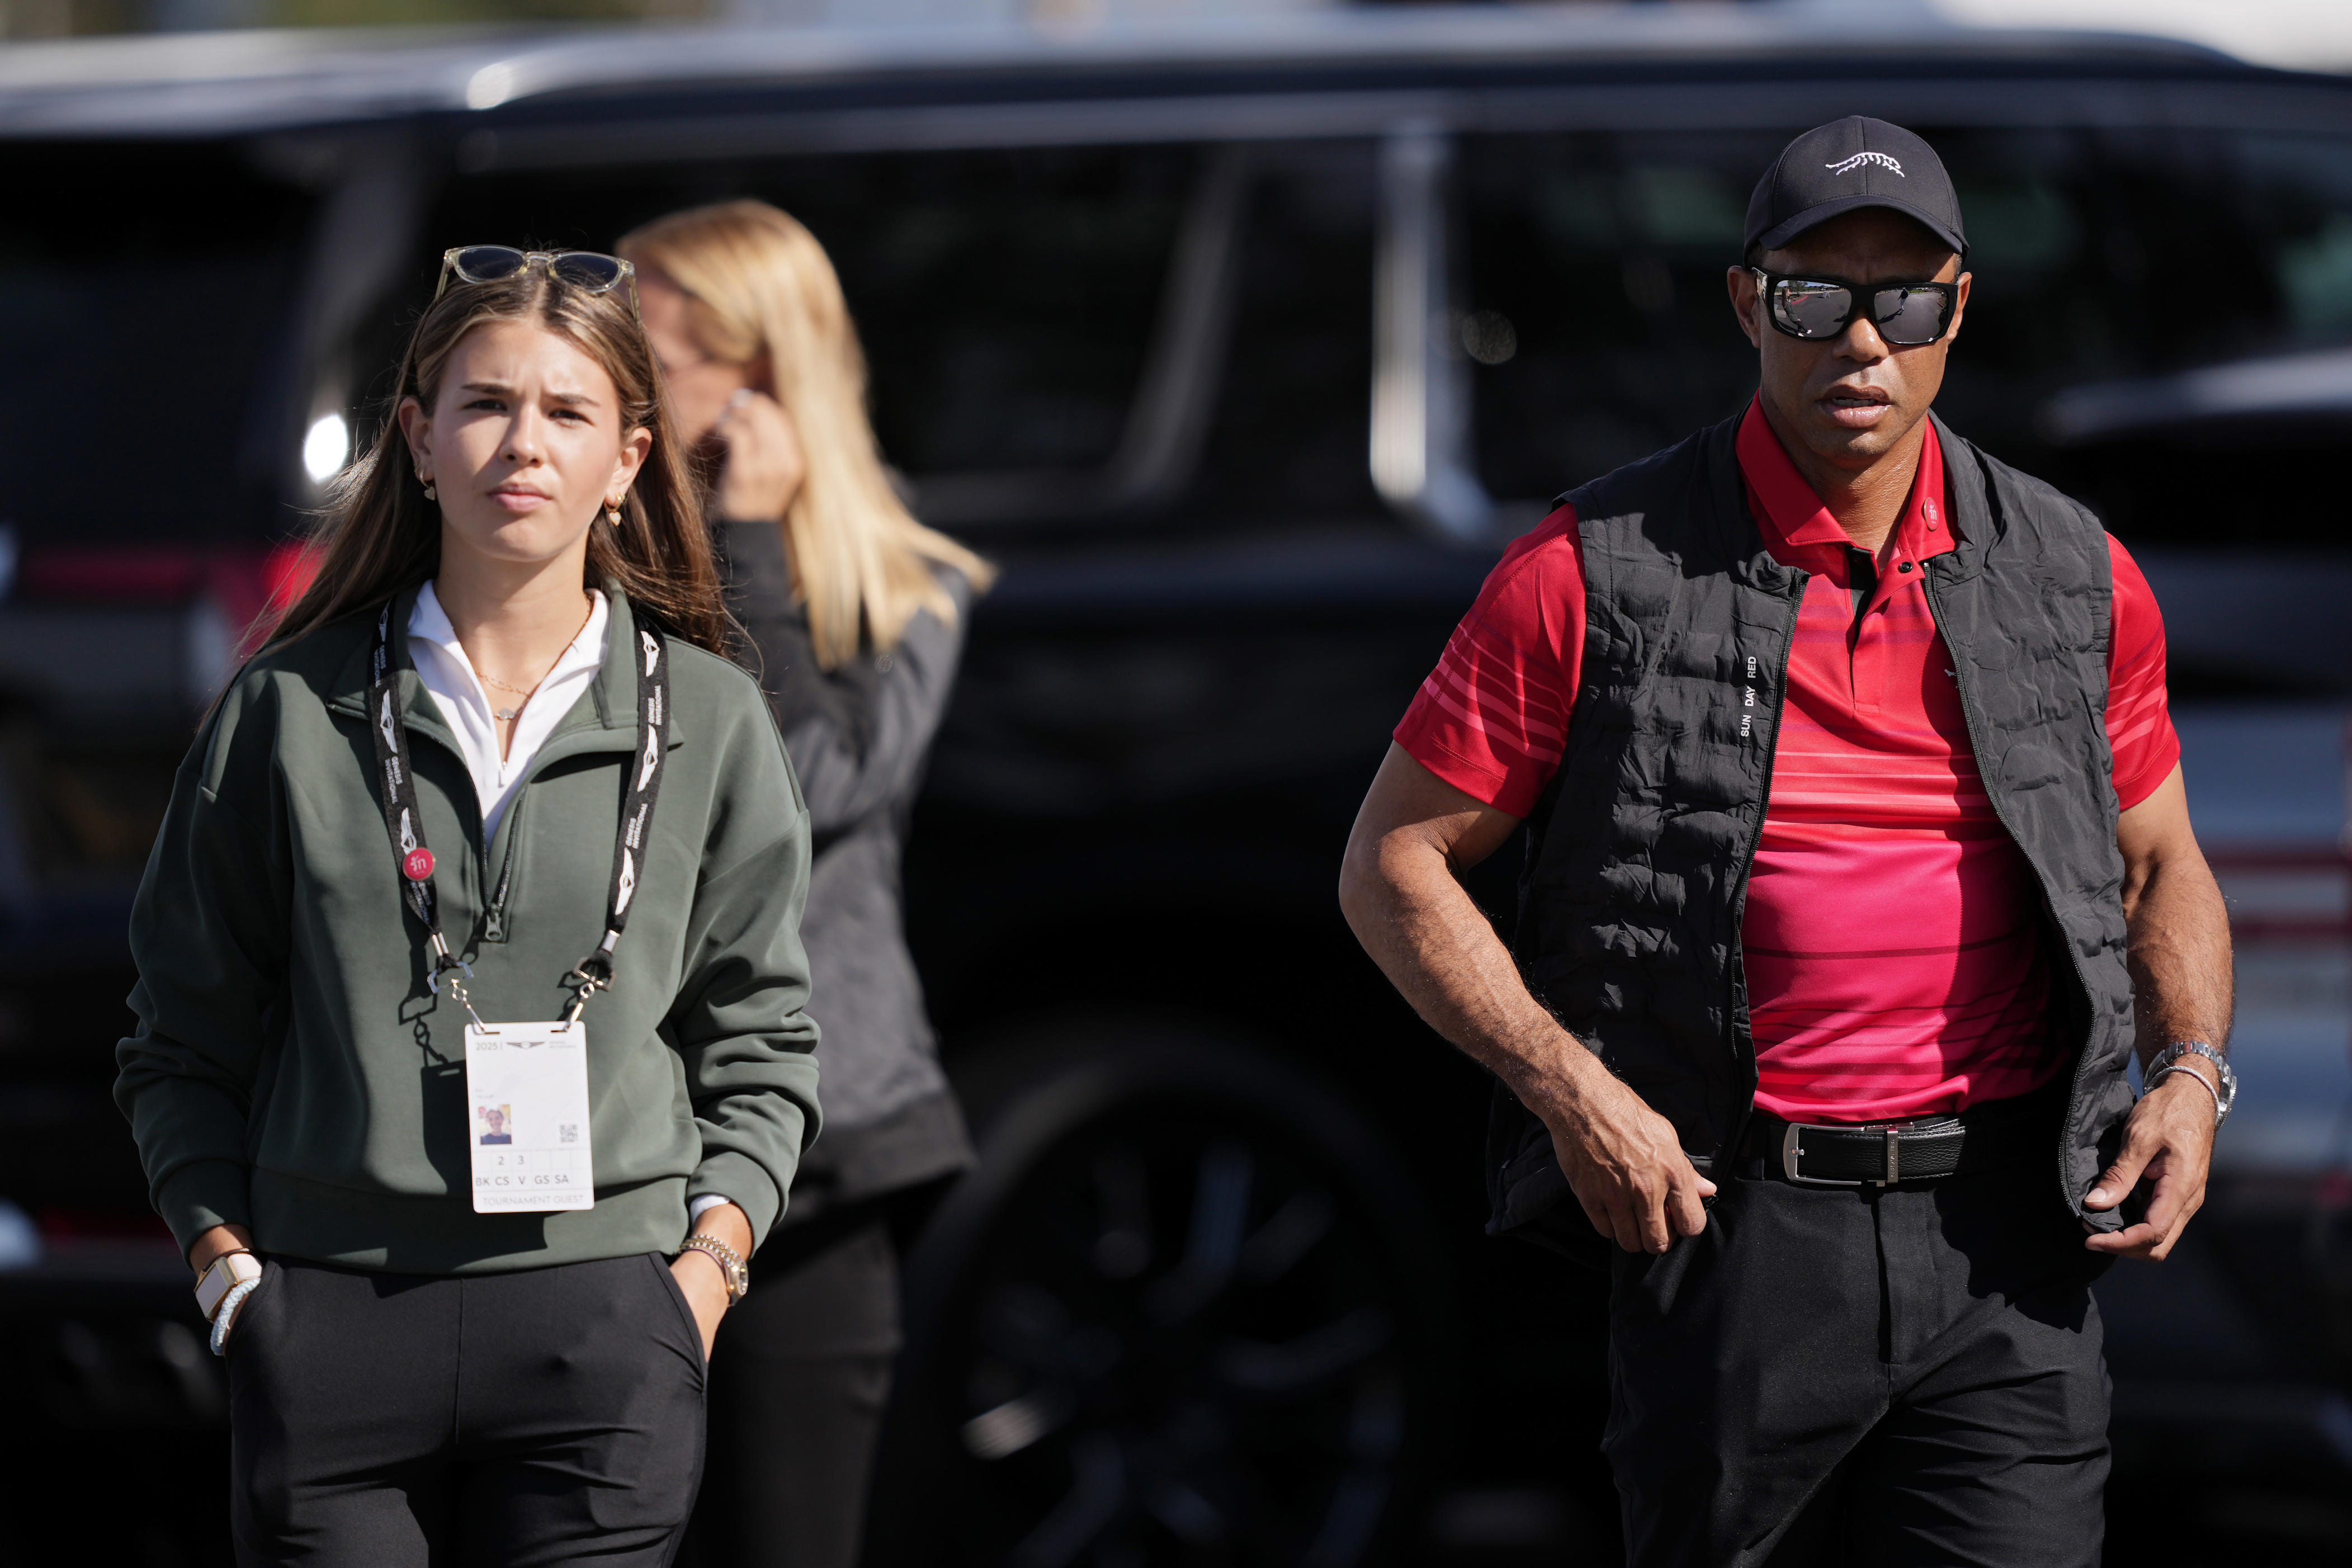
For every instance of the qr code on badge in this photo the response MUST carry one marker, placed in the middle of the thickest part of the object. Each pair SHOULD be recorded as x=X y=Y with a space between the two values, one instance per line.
x=568 y=1132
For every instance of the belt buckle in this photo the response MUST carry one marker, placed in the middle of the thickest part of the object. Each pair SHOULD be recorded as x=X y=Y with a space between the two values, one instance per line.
x=1791 y=1151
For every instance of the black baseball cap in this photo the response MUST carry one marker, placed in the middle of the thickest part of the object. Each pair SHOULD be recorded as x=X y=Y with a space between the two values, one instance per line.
x=1847 y=164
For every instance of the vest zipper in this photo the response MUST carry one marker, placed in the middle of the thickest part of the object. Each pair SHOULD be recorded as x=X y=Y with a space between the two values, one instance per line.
x=1795 y=598
x=2049 y=909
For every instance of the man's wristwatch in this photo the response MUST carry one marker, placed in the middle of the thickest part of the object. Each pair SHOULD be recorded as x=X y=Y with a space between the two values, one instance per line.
x=2167 y=1060
x=731 y=1267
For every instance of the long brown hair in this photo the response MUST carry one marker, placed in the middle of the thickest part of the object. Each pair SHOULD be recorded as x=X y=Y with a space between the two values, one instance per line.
x=759 y=285
x=378 y=534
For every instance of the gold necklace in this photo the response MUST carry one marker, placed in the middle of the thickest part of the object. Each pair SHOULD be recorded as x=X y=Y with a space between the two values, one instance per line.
x=509 y=715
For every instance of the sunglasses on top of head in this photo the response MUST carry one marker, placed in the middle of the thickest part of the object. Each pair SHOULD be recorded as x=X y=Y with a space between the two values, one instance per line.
x=590 y=271
x=1907 y=315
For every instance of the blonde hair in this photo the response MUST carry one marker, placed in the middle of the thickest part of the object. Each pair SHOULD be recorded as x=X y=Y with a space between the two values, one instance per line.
x=379 y=534
x=758 y=283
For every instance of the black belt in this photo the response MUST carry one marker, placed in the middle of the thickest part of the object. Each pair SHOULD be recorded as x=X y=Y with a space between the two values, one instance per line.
x=1881 y=1154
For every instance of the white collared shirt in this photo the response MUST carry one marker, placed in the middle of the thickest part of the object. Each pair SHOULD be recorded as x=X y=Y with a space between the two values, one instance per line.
x=442 y=665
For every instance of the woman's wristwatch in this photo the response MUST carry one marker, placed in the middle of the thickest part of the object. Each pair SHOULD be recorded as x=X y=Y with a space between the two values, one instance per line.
x=222 y=1289
x=221 y=1276
x=731 y=1267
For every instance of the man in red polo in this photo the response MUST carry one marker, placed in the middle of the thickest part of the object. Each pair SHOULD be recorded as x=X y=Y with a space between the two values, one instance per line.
x=1859 y=862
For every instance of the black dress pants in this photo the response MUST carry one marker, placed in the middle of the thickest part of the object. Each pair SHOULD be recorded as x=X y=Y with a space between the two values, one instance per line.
x=1891 y=1376
x=801 y=1376
x=551 y=1416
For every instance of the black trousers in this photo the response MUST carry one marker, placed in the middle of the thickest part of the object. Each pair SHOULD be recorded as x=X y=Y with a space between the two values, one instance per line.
x=552 y=1416
x=800 y=1379
x=1891 y=1376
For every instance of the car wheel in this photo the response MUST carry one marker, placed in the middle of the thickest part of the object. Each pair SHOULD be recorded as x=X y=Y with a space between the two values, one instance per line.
x=1185 y=1310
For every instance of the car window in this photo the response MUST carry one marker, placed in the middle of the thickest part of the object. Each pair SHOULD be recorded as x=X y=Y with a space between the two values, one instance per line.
x=1023 y=310
x=1287 y=440
x=1595 y=315
x=147 y=292
x=1593 y=296
x=1005 y=298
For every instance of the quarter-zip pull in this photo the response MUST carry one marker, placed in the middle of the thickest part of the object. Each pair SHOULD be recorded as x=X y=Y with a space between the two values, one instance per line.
x=494 y=917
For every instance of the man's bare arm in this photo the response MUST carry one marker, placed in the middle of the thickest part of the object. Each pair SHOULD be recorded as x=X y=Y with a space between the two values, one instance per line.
x=1401 y=890
x=2181 y=984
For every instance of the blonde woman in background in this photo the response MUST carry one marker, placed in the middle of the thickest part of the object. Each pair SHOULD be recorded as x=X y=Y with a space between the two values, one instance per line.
x=854 y=615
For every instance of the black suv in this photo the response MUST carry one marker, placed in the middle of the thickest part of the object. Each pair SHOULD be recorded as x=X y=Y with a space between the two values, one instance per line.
x=1244 y=350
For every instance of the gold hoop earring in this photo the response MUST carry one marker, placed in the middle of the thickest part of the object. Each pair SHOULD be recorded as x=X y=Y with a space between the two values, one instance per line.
x=613 y=513
x=430 y=493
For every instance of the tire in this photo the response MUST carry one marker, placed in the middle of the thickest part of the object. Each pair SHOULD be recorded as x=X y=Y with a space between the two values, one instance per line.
x=1186 y=1309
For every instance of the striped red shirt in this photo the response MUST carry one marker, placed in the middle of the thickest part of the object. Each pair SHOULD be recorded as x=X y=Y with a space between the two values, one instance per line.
x=1893 y=938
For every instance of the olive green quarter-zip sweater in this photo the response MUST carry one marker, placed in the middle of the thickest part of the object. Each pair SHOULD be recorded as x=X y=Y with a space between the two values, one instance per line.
x=292 y=1070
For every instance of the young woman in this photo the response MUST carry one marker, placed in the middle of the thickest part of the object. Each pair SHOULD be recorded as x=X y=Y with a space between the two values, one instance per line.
x=854 y=615
x=468 y=970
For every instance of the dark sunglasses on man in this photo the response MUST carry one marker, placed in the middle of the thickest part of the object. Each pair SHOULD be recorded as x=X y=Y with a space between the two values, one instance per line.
x=1907 y=315
x=590 y=271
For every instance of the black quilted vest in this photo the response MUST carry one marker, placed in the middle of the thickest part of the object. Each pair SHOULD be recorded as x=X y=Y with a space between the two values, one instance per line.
x=1638 y=853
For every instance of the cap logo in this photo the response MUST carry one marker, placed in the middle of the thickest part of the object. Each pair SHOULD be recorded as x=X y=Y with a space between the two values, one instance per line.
x=1859 y=159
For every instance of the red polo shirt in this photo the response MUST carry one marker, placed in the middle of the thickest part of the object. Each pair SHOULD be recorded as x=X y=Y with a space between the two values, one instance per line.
x=1893 y=935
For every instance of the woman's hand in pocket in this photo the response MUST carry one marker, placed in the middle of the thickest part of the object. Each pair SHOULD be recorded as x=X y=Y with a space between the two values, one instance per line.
x=698 y=1275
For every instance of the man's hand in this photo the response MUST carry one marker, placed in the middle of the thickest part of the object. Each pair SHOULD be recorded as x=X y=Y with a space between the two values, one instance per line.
x=698 y=1275
x=2181 y=983
x=2169 y=1140
x=764 y=464
x=220 y=1238
x=1624 y=1162
x=1400 y=890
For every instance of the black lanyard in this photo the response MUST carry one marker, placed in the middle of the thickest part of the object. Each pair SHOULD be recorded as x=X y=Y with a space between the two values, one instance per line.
x=641 y=783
